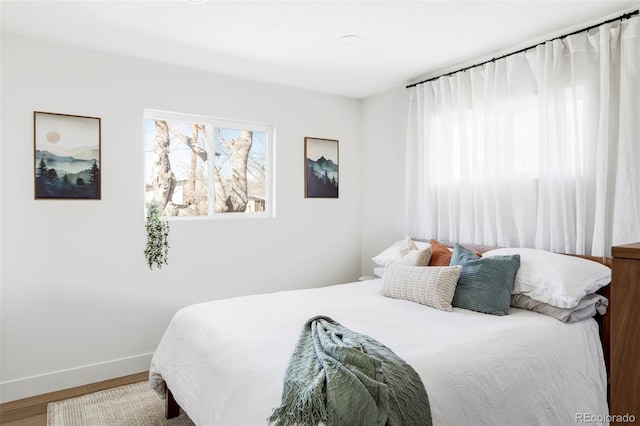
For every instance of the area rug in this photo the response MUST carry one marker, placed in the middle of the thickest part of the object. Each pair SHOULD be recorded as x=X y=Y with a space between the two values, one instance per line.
x=131 y=405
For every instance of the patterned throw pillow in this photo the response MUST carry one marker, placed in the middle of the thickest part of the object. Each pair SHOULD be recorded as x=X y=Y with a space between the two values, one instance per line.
x=486 y=283
x=430 y=286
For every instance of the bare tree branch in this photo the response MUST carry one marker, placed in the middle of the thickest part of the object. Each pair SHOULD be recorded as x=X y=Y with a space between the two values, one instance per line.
x=191 y=143
x=164 y=181
x=237 y=198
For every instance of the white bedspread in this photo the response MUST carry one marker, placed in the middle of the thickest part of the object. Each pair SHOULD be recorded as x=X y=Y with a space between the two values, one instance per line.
x=224 y=360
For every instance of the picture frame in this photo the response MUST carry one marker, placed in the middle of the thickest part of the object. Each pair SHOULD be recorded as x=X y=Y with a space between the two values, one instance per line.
x=67 y=156
x=321 y=168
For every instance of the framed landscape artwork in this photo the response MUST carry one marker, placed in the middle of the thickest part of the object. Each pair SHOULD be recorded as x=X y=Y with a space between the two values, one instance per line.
x=321 y=168
x=66 y=156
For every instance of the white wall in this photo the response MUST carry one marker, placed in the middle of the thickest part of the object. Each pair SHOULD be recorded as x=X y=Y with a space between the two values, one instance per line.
x=78 y=302
x=384 y=123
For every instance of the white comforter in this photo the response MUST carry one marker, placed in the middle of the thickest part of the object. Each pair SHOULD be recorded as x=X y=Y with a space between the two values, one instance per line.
x=224 y=360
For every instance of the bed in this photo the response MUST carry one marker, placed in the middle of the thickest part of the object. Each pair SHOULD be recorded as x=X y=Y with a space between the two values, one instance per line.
x=223 y=361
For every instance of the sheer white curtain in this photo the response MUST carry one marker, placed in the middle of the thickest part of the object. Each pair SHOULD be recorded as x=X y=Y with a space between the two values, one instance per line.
x=539 y=149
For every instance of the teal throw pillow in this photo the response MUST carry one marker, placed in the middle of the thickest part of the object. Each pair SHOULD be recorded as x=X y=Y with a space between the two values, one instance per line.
x=485 y=284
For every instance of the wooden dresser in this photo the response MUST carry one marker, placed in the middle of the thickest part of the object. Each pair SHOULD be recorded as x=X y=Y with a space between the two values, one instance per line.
x=625 y=331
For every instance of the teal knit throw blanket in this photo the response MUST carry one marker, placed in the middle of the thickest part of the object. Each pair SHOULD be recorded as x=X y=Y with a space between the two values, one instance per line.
x=341 y=377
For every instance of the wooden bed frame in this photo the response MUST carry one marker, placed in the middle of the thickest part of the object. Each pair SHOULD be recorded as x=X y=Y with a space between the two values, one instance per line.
x=621 y=347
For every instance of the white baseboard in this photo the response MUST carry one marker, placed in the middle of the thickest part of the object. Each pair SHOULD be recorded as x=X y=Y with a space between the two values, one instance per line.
x=65 y=379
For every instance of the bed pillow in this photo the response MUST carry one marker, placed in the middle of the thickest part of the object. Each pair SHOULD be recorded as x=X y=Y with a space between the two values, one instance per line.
x=430 y=286
x=588 y=307
x=388 y=255
x=405 y=252
x=421 y=244
x=378 y=271
x=485 y=284
x=556 y=279
x=414 y=257
x=440 y=254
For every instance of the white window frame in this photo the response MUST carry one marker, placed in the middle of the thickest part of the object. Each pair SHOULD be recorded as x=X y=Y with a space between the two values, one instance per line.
x=216 y=122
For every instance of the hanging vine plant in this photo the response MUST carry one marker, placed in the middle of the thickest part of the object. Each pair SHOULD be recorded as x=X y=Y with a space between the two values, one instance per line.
x=157 y=227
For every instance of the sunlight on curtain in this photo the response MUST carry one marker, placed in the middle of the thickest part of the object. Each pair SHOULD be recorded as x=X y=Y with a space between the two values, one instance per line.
x=539 y=149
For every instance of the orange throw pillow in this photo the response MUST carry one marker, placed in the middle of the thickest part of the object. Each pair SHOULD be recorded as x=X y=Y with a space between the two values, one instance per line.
x=440 y=254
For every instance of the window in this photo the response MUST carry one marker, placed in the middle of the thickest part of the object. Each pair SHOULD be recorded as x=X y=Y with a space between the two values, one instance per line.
x=492 y=143
x=536 y=149
x=199 y=166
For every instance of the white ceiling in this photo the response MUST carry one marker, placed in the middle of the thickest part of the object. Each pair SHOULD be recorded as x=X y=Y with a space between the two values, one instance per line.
x=294 y=43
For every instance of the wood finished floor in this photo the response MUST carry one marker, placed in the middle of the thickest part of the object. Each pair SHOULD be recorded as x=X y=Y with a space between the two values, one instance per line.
x=40 y=420
x=33 y=411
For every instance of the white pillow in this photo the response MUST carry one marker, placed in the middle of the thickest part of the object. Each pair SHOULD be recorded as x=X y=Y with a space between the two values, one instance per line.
x=415 y=257
x=405 y=251
x=422 y=244
x=378 y=271
x=387 y=256
x=553 y=278
x=432 y=286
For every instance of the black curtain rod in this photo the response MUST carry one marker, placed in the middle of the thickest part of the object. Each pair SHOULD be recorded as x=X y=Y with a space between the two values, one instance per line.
x=619 y=18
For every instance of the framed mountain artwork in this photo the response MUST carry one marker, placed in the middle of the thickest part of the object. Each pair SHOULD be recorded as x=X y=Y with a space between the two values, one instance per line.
x=321 y=168
x=66 y=156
